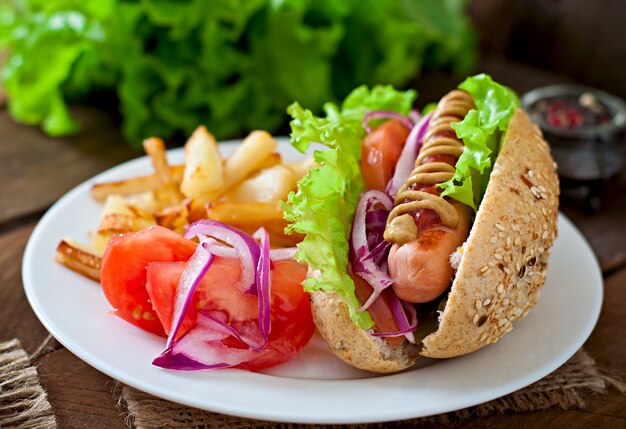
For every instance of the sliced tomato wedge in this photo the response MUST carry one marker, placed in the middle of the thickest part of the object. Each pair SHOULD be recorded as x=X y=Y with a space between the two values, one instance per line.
x=380 y=153
x=216 y=291
x=123 y=272
x=292 y=323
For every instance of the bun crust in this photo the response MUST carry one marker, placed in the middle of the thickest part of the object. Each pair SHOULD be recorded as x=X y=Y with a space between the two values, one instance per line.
x=500 y=273
x=505 y=257
x=353 y=345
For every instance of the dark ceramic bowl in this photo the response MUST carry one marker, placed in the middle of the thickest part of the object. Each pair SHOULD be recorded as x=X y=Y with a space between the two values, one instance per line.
x=582 y=152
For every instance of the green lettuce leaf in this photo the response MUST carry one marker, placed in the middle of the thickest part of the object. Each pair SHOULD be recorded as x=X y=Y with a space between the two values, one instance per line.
x=44 y=47
x=481 y=131
x=232 y=65
x=324 y=205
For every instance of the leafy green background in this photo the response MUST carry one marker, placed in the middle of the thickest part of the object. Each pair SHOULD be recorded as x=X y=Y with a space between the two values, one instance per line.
x=233 y=65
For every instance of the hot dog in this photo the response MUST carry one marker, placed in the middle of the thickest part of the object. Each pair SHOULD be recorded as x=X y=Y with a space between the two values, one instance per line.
x=419 y=260
x=466 y=231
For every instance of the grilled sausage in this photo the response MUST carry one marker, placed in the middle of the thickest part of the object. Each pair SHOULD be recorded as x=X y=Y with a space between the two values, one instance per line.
x=425 y=227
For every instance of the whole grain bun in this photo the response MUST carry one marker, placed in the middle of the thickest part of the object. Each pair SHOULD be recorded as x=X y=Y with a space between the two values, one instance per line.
x=505 y=256
x=501 y=269
x=353 y=345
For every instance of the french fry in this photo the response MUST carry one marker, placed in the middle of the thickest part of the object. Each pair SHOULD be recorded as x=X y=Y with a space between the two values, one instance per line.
x=203 y=165
x=300 y=169
x=150 y=182
x=248 y=157
x=269 y=161
x=175 y=218
x=257 y=146
x=250 y=216
x=168 y=192
x=99 y=241
x=270 y=184
x=117 y=204
x=116 y=223
x=244 y=211
x=79 y=259
x=119 y=216
x=197 y=206
x=242 y=190
x=135 y=185
x=278 y=238
x=145 y=201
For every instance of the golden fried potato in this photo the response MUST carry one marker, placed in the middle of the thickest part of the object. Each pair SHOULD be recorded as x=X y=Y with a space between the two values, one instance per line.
x=134 y=185
x=270 y=184
x=204 y=173
x=175 y=218
x=168 y=191
x=79 y=258
x=300 y=169
x=120 y=216
x=250 y=216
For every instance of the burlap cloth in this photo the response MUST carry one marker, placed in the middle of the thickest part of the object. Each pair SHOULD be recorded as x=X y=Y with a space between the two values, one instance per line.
x=23 y=402
x=565 y=388
x=24 y=405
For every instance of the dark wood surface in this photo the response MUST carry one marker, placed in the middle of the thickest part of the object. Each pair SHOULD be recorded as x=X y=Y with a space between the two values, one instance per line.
x=584 y=39
x=37 y=170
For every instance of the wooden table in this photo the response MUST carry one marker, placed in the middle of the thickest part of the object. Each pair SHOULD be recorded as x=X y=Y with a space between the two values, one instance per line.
x=37 y=170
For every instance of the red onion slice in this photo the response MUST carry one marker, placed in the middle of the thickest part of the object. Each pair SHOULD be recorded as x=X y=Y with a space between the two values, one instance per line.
x=415 y=116
x=406 y=162
x=364 y=264
x=245 y=246
x=358 y=235
x=194 y=271
x=376 y=219
x=263 y=282
x=219 y=249
x=246 y=331
x=378 y=279
x=202 y=348
x=277 y=255
x=378 y=254
x=383 y=114
x=369 y=262
x=367 y=247
x=400 y=310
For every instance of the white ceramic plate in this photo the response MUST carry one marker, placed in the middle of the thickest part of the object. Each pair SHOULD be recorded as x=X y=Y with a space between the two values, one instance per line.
x=316 y=387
